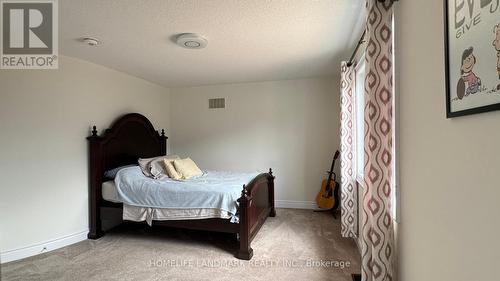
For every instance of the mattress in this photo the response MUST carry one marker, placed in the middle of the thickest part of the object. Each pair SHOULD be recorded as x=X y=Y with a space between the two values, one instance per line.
x=139 y=214
x=109 y=192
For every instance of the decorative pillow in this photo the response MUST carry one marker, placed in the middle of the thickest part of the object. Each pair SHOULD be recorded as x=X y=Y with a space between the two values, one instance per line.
x=145 y=167
x=187 y=168
x=157 y=168
x=171 y=172
x=153 y=167
x=111 y=174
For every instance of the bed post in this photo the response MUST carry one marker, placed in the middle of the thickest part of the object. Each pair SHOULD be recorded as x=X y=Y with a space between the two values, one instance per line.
x=245 y=252
x=163 y=140
x=95 y=177
x=271 y=193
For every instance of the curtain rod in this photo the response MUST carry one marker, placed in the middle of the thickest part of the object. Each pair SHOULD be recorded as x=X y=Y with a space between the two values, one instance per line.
x=360 y=42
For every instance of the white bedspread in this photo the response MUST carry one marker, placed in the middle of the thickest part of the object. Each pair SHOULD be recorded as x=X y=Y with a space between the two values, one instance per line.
x=213 y=194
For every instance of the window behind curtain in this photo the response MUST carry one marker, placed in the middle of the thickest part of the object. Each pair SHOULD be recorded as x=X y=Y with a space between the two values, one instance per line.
x=395 y=172
x=359 y=124
x=359 y=120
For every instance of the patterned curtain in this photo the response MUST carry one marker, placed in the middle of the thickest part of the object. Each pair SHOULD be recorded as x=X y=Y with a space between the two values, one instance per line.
x=349 y=202
x=349 y=197
x=377 y=250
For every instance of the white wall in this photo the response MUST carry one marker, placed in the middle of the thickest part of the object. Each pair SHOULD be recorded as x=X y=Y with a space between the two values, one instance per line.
x=449 y=190
x=291 y=126
x=45 y=116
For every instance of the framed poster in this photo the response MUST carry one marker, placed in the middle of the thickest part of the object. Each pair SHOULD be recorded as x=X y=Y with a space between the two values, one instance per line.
x=472 y=54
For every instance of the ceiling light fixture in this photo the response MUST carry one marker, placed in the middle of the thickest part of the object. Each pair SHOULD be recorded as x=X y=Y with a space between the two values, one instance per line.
x=91 y=41
x=191 y=41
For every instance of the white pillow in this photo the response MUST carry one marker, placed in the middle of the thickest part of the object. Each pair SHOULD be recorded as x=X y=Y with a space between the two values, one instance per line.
x=153 y=167
x=187 y=168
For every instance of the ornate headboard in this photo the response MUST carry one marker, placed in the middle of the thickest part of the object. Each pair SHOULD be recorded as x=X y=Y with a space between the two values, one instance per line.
x=130 y=137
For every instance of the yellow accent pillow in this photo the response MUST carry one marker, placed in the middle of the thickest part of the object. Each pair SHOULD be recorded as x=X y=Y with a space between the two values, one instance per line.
x=187 y=168
x=171 y=172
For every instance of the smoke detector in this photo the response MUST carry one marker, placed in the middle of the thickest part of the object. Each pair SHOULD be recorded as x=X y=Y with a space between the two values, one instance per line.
x=91 y=41
x=191 y=41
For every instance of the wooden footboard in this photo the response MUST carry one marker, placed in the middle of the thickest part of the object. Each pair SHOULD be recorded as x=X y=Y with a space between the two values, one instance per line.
x=256 y=204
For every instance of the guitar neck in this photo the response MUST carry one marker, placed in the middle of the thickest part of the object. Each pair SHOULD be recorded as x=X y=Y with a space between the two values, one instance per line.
x=331 y=171
x=333 y=165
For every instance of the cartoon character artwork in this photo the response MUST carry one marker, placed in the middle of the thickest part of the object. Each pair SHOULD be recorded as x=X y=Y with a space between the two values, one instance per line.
x=496 y=44
x=469 y=83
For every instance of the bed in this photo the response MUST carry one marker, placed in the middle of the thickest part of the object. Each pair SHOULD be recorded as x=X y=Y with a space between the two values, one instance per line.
x=132 y=136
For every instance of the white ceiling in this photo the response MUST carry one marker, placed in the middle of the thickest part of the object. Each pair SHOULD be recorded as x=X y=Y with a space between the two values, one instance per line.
x=248 y=40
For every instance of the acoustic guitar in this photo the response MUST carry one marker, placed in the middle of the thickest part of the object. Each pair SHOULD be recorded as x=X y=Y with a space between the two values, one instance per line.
x=328 y=195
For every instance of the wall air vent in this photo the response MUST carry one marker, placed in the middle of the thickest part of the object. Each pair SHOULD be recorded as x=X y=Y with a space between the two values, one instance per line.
x=217 y=103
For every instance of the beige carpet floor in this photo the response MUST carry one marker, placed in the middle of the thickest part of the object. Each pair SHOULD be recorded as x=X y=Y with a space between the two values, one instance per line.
x=295 y=245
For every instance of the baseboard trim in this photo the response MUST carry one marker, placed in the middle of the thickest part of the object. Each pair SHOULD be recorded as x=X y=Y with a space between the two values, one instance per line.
x=290 y=204
x=44 y=247
x=47 y=246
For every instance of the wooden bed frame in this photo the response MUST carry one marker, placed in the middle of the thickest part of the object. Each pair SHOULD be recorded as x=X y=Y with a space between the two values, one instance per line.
x=133 y=136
